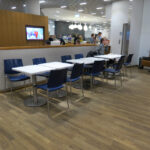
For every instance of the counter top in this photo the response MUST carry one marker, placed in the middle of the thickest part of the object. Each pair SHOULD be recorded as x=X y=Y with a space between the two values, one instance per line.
x=44 y=46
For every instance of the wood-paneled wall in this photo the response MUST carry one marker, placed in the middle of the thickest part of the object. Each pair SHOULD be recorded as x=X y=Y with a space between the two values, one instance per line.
x=12 y=28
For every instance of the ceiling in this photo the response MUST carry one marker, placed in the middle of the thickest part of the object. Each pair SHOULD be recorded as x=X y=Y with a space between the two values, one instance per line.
x=74 y=5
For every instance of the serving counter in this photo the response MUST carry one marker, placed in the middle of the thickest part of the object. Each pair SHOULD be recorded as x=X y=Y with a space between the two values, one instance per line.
x=27 y=53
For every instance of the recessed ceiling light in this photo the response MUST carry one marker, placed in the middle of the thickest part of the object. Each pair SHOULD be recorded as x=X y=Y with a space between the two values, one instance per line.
x=24 y=5
x=98 y=8
x=13 y=7
x=77 y=15
x=84 y=3
x=80 y=10
x=131 y=0
x=63 y=6
x=107 y=0
x=42 y=1
x=93 y=13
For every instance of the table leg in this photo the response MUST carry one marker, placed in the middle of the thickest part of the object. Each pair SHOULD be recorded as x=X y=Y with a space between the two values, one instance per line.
x=35 y=101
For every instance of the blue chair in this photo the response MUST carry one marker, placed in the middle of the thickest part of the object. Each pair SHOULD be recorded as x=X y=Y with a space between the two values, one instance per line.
x=129 y=60
x=76 y=75
x=13 y=76
x=79 y=56
x=117 y=69
x=65 y=58
x=96 y=70
x=128 y=63
x=37 y=61
x=56 y=81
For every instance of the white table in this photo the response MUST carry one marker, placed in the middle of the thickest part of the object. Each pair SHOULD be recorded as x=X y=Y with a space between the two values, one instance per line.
x=109 y=56
x=57 y=65
x=33 y=70
x=85 y=61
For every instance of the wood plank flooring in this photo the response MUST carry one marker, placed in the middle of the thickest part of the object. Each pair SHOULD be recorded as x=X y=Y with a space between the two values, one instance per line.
x=107 y=119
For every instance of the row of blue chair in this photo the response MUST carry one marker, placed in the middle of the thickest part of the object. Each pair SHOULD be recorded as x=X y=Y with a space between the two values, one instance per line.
x=69 y=57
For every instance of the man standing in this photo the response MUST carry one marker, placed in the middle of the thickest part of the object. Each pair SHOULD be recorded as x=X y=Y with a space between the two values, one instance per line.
x=99 y=37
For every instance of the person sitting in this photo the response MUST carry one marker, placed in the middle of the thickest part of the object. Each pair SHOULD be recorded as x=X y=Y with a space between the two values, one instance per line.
x=101 y=48
x=92 y=39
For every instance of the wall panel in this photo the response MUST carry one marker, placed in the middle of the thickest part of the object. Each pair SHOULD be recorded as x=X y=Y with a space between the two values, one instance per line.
x=12 y=28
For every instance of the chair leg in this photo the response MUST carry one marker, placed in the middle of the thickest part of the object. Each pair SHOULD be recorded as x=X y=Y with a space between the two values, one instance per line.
x=70 y=91
x=91 y=82
x=48 y=104
x=81 y=80
x=67 y=97
x=115 y=80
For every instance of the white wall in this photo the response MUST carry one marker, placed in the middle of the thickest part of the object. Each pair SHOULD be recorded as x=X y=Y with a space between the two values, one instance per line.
x=145 y=33
x=119 y=17
x=135 y=29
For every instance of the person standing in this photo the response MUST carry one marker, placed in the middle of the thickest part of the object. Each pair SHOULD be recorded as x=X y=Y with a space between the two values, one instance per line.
x=99 y=37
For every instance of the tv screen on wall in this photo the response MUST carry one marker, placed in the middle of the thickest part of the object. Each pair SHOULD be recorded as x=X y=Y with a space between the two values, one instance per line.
x=34 y=33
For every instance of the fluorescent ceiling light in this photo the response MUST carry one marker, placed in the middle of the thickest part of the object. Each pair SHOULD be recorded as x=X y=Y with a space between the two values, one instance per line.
x=63 y=6
x=98 y=8
x=13 y=7
x=42 y=1
x=93 y=13
x=107 y=0
x=80 y=10
x=84 y=3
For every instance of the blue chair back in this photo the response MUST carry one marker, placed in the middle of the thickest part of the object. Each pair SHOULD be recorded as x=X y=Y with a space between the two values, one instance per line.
x=120 y=63
x=78 y=56
x=11 y=63
x=77 y=71
x=57 y=78
x=65 y=58
x=129 y=58
x=98 y=67
x=37 y=61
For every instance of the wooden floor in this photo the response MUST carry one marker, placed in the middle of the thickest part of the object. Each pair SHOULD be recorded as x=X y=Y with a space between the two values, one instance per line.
x=107 y=119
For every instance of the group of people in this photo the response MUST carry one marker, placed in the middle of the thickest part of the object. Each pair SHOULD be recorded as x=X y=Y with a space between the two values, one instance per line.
x=103 y=47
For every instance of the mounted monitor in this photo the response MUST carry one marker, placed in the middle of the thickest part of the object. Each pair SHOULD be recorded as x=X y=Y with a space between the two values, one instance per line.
x=34 y=33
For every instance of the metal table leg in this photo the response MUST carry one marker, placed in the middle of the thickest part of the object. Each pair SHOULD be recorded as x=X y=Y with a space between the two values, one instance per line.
x=35 y=101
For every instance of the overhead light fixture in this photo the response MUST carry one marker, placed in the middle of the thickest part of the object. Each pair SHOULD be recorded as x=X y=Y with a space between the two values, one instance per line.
x=77 y=15
x=83 y=3
x=13 y=7
x=93 y=13
x=80 y=27
x=42 y=1
x=90 y=27
x=85 y=27
x=63 y=6
x=24 y=5
x=80 y=10
x=107 y=0
x=98 y=8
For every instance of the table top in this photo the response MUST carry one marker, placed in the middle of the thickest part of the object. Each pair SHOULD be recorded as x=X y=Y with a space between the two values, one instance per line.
x=42 y=68
x=32 y=69
x=109 y=56
x=57 y=65
x=86 y=61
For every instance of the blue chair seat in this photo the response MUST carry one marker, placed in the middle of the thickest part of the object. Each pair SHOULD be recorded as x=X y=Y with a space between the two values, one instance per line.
x=126 y=64
x=18 y=78
x=73 y=80
x=111 y=70
x=45 y=88
x=92 y=74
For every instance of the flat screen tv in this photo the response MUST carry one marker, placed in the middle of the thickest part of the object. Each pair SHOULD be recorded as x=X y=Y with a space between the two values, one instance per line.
x=34 y=33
